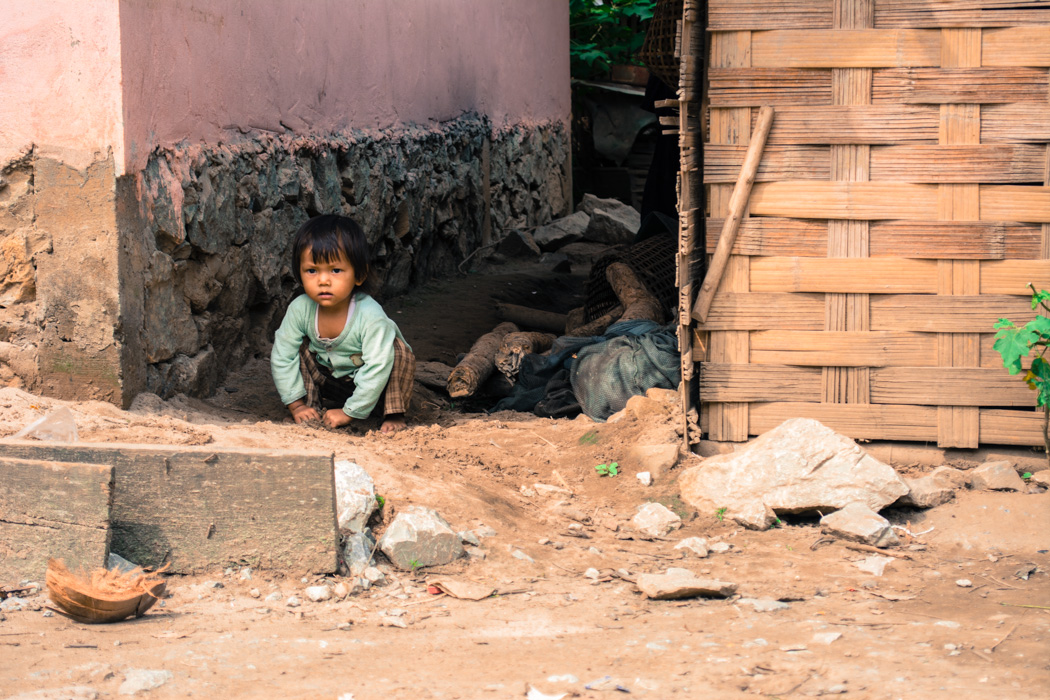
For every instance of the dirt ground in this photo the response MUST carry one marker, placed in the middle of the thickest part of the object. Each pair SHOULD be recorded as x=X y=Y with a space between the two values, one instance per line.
x=912 y=632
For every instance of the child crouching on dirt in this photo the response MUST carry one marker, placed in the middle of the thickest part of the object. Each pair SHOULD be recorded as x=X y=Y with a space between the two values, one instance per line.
x=337 y=355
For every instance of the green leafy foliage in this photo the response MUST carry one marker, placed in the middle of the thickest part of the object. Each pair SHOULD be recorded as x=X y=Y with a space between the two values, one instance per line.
x=589 y=438
x=1015 y=343
x=609 y=469
x=605 y=32
x=380 y=501
x=721 y=513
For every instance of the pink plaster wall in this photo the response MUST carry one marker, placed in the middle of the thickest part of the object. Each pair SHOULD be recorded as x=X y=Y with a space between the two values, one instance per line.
x=60 y=79
x=202 y=69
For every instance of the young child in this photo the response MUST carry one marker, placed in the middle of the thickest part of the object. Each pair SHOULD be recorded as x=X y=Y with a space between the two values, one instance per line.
x=336 y=348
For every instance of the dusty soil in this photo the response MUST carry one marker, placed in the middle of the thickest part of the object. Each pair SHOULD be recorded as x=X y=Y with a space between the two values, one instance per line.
x=912 y=632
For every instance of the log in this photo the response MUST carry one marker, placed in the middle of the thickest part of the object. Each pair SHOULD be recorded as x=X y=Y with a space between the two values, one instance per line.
x=516 y=346
x=737 y=206
x=536 y=319
x=579 y=329
x=638 y=302
x=479 y=363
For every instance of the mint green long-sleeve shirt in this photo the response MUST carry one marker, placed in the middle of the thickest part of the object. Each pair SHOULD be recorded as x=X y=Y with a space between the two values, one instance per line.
x=364 y=351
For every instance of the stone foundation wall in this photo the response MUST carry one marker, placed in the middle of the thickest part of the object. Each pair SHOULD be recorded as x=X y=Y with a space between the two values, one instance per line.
x=216 y=226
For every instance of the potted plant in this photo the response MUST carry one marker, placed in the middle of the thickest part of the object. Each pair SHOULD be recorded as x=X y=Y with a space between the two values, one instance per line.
x=604 y=37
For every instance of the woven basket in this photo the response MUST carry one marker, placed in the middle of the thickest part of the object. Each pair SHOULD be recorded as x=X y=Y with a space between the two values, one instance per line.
x=658 y=49
x=653 y=260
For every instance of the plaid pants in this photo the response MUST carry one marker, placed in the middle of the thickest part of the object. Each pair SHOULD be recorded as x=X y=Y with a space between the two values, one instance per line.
x=322 y=387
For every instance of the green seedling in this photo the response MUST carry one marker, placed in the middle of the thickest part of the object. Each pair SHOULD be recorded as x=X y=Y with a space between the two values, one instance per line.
x=414 y=564
x=1026 y=476
x=775 y=524
x=609 y=469
x=589 y=438
x=380 y=501
x=721 y=513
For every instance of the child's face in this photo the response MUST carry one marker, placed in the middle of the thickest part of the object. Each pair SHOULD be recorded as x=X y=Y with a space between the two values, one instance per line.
x=330 y=283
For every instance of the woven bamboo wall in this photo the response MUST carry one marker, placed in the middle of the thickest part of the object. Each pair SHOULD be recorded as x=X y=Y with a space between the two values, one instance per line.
x=901 y=205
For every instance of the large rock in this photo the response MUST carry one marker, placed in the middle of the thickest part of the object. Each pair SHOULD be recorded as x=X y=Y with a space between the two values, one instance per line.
x=798 y=466
x=562 y=231
x=861 y=524
x=615 y=227
x=355 y=496
x=590 y=203
x=997 y=476
x=950 y=477
x=682 y=583
x=420 y=537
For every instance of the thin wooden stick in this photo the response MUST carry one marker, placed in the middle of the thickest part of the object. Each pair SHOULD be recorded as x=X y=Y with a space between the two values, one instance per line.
x=992 y=648
x=737 y=205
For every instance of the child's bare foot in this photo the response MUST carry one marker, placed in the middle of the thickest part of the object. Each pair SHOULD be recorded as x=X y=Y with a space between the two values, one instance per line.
x=393 y=423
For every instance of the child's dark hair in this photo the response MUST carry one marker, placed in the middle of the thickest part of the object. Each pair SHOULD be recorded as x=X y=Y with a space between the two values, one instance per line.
x=327 y=236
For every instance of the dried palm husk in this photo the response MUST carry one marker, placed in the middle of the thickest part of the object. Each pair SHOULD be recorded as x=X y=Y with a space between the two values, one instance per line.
x=102 y=596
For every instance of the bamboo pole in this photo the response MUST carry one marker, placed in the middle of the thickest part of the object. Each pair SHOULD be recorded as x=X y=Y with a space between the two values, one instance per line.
x=737 y=205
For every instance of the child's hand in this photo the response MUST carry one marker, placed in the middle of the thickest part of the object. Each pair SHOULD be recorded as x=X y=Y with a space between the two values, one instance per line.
x=335 y=418
x=303 y=413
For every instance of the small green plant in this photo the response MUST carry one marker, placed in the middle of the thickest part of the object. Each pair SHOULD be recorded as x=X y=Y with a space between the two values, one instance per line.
x=609 y=469
x=721 y=513
x=589 y=438
x=775 y=524
x=414 y=564
x=380 y=501
x=1014 y=343
x=1026 y=476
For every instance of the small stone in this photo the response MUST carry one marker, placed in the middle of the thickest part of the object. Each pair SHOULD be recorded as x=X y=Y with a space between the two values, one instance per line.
x=1041 y=478
x=471 y=538
x=682 y=583
x=594 y=550
x=254 y=593
x=859 y=523
x=592 y=573
x=655 y=520
x=518 y=554
x=926 y=492
x=964 y=583
x=997 y=476
x=826 y=637
x=645 y=477
x=341 y=590
x=527 y=492
x=484 y=531
x=318 y=593
x=420 y=537
x=543 y=540
x=476 y=552
x=48 y=613
x=293 y=601
x=137 y=680
x=246 y=574
x=719 y=547
x=213 y=584
x=695 y=546
x=764 y=604
x=374 y=576
x=273 y=597
x=551 y=491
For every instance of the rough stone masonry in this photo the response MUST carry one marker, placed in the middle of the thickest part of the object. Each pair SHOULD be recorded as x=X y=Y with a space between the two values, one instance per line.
x=165 y=279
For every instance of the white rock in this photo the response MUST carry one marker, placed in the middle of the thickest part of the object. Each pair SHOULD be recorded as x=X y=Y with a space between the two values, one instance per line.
x=645 y=477
x=859 y=523
x=997 y=476
x=874 y=564
x=697 y=546
x=682 y=583
x=136 y=680
x=799 y=466
x=420 y=537
x=964 y=583
x=318 y=593
x=355 y=495
x=655 y=520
